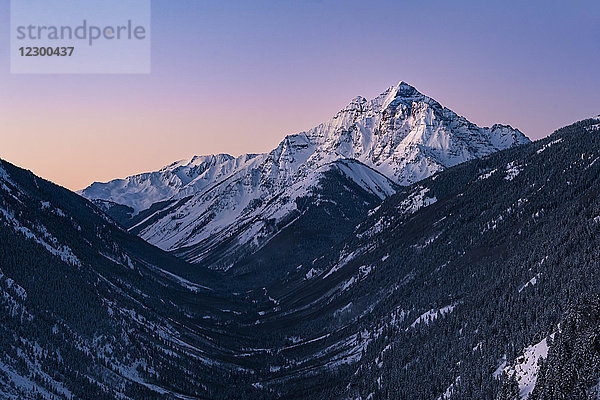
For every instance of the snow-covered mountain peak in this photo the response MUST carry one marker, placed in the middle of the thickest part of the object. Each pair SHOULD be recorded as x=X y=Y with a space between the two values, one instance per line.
x=361 y=107
x=406 y=135
x=402 y=134
x=402 y=93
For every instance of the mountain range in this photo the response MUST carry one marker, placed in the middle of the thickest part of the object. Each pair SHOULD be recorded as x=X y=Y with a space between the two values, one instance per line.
x=192 y=206
x=470 y=272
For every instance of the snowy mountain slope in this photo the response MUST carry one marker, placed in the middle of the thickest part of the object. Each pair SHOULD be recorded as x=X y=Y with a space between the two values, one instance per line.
x=345 y=193
x=403 y=134
x=250 y=216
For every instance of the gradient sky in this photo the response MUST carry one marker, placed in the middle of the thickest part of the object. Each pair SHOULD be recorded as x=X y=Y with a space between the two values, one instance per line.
x=237 y=76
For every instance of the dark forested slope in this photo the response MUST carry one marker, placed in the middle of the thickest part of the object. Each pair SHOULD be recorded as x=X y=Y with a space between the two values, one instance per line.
x=450 y=280
x=89 y=311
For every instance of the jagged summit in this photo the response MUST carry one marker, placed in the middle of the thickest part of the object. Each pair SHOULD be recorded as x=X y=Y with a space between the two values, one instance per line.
x=405 y=90
x=401 y=136
x=406 y=135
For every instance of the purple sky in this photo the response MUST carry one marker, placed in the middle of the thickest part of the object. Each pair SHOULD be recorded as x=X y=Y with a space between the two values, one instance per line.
x=238 y=76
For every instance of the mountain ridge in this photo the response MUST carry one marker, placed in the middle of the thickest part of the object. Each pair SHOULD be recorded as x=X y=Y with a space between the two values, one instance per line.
x=98 y=190
x=402 y=134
